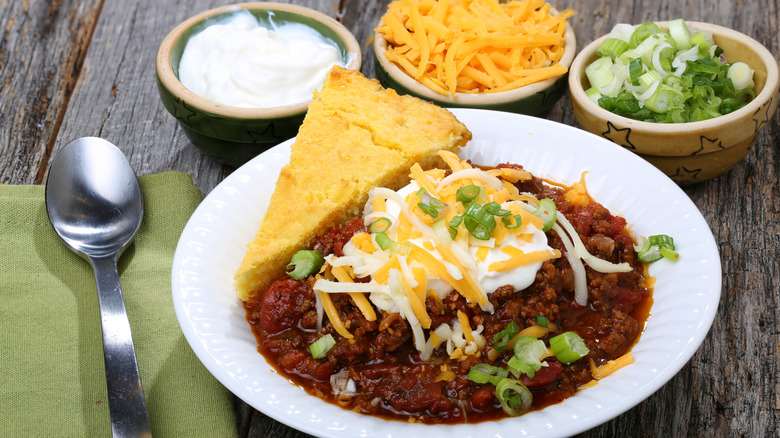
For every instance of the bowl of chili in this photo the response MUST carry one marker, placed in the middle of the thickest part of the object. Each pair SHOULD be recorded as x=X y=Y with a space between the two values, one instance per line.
x=685 y=293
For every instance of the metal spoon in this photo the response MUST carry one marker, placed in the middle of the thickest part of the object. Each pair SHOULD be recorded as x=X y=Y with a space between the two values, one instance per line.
x=94 y=204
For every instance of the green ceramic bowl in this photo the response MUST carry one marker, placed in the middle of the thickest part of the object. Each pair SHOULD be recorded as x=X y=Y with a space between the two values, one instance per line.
x=687 y=152
x=535 y=99
x=231 y=134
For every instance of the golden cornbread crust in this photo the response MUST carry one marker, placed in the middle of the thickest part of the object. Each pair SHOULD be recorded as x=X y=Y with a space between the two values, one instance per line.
x=356 y=136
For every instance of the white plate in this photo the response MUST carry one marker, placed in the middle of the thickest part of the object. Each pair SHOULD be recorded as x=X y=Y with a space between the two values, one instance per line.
x=686 y=293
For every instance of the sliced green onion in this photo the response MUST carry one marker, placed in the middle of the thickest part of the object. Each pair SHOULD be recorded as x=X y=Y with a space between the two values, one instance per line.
x=643 y=246
x=700 y=41
x=380 y=225
x=420 y=193
x=568 y=347
x=547 y=212
x=593 y=94
x=431 y=205
x=622 y=31
x=663 y=55
x=643 y=32
x=542 y=321
x=656 y=247
x=501 y=339
x=528 y=350
x=644 y=50
x=484 y=373
x=647 y=79
x=383 y=241
x=507 y=220
x=495 y=209
x=453 y=225
x=669 y=253
x=612 y=47
x=386 y=243
x=707 y=66
x=661 y=239
x=479 y=221
x=741 y=76
x=515 y=398
x=647 y=253
x=304 y=263
x=673 y=76
x=599 y=72
x=664 y=99
x=468 y=193
x=443 y=232
x=635 y=70
x=320 y=348
x=680 y=34
x=428 y=209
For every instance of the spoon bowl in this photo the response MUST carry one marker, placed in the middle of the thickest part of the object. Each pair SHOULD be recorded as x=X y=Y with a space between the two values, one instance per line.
x=94 y=203
x=95 y=199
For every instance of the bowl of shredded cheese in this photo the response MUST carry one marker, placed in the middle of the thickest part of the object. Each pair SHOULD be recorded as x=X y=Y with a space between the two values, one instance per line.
x=509 y=56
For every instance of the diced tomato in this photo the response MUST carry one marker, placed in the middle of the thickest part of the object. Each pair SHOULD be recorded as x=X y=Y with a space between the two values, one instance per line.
x=544 y=376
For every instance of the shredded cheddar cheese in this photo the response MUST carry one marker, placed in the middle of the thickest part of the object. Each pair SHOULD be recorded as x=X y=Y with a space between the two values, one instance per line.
x=511 y=175
x=475 y=46
x=465 y=325
x=341 y=274
x=590 y=384
x=611 y=366
x=333 y=315
x=519 y=258
x=418 y=306
x=422 y=179
x=577 y=193
x=417 y=258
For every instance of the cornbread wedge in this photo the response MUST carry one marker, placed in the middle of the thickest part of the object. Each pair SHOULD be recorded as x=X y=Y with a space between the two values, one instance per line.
x=356 y=136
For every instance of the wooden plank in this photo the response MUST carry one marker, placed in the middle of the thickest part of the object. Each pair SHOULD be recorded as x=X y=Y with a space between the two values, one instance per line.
x=42 y=48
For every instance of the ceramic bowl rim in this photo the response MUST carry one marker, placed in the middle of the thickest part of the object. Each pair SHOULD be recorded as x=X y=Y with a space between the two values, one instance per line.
x=168 y=79
x=577 y=71
x=502 y=97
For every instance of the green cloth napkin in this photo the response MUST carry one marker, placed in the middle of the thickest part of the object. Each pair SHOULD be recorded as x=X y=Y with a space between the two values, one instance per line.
x=52 y=378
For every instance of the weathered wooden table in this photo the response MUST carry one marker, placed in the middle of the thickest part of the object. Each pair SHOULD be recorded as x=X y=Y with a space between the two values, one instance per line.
x=71 y=68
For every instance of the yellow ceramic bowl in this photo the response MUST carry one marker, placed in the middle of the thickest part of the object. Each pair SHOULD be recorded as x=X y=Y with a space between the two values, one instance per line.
x=228 y=133
x=695 y=151
x=535 y=99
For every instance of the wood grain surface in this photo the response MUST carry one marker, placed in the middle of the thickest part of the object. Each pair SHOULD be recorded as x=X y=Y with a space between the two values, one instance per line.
x=73 y=68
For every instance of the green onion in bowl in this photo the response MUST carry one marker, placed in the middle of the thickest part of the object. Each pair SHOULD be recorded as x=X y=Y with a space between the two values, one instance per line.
x=672 y=75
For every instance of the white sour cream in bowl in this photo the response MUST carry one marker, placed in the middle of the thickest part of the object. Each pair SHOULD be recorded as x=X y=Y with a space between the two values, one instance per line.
x=239 y=62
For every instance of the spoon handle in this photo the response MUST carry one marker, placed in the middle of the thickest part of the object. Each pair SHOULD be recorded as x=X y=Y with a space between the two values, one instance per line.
x=126 y=402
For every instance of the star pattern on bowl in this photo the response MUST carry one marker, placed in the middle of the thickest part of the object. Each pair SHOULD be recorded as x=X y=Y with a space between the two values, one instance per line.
x=705 y=142
x=184 y=118
x=766 y=107
x=258 y=136
x=685 y=175
x=618 y=136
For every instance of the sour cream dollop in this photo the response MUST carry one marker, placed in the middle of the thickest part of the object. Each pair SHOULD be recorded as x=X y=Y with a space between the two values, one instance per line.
x=240 y=63
x=519 y=278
